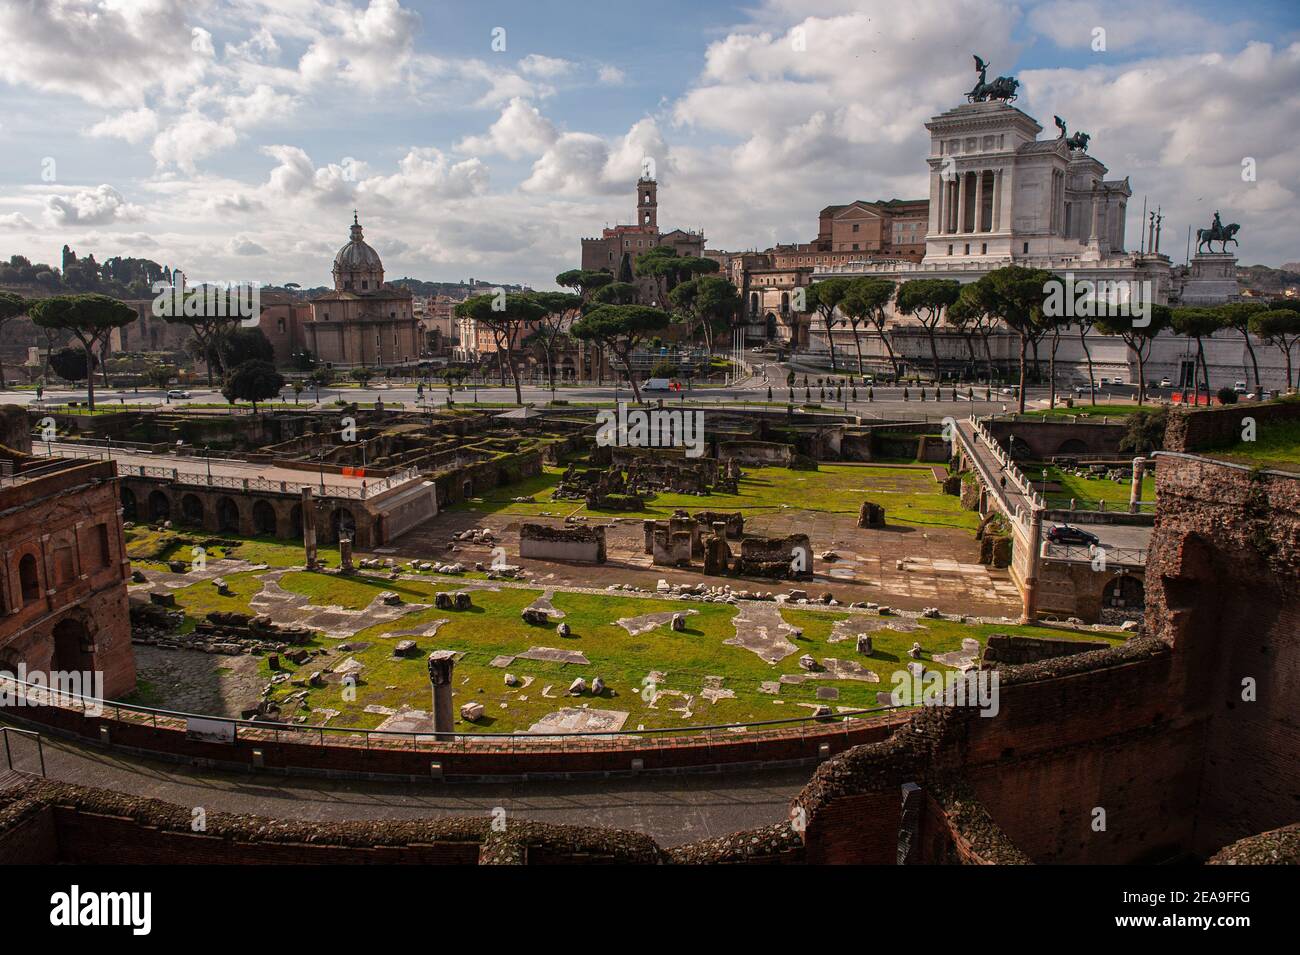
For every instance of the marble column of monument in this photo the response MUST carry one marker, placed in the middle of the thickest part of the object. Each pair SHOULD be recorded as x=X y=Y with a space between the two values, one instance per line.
x=441 y=663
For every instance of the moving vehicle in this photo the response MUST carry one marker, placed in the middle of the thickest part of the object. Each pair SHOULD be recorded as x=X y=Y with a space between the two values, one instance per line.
x=177 y=393
x=1069 y=534
x=1166 y=383
x=658 y=384
x=1239 y=387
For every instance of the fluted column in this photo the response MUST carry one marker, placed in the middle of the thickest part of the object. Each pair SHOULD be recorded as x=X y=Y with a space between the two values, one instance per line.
x=961 y=202
x=997 y=200
x=978 y=222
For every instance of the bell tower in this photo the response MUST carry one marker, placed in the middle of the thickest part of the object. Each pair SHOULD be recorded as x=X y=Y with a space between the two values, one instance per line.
x=647 y=205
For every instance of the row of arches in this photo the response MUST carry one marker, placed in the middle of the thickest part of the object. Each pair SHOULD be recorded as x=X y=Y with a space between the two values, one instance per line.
x=264 y=518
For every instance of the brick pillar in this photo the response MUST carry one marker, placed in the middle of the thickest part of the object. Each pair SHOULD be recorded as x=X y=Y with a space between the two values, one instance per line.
x=649 y=528
x=1135 y=491
x=309 y=527
x=441 y=663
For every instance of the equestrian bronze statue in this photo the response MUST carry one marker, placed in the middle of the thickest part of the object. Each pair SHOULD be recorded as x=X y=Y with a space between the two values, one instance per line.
x=1217 y=232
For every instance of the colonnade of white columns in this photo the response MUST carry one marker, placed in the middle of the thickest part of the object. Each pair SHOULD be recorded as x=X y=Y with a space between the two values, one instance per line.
x=962 y=209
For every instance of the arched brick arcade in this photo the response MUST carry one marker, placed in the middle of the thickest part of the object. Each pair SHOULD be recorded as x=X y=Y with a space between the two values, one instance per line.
x=265 y=522
x=160 y=507
x=192 y=509
x=227 y=515
x=1125 y=592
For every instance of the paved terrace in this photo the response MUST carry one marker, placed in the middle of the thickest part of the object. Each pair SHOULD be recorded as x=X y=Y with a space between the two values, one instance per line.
x=227 y=472
x=672 y=809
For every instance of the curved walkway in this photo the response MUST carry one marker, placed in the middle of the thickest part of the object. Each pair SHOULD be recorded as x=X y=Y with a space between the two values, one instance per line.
x=669 y=809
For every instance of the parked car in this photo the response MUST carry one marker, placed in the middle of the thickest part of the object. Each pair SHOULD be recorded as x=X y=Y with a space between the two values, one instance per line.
x=177 y=393
x=1069 y=534
x=1166 y=383
x=1239 y=387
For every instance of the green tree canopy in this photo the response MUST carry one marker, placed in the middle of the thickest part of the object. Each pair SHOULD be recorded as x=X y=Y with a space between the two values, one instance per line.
x=866 y=300
x=621 y=328
x=90 y=318
x=1138 y=334
x=1015 y=295
x=823 y=298
x=585 y=281
x=1279 y=327
x=252 y=381
x=707 y=303
x=509 y=318
x=926 y=299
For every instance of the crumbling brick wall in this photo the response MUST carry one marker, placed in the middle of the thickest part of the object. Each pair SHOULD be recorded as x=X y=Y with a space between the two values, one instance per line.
x=1208 y=428
x=1223 y=589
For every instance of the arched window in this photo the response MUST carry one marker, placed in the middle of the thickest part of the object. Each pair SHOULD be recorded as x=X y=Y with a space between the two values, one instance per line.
x=31 y=585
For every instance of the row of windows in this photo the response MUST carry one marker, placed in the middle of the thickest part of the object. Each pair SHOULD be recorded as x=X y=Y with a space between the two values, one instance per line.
x=98 y=556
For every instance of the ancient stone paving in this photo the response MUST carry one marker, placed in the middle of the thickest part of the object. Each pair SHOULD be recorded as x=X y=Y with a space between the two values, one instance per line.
x=761 y=630
x=338 y=623
x=962 y=659
x=192 y=682
x=635 y=626
x=575 y=719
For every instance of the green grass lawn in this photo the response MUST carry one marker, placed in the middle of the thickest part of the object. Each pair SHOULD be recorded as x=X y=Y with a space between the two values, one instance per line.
x=909 y=495
x=493 y=627
x=1099 y=410
x=1276 y=445
x=152 y=548
x=1086 y=490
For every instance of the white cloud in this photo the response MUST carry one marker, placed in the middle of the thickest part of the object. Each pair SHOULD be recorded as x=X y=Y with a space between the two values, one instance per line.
x=108 y=54
x=191 y=138
x=134 y=126
x=243 y=245
x=98 y=206
x=425 y=173
x=520 y=131
x=15 y=220
x=534 y=64
x=370 y=49
x=611 y=76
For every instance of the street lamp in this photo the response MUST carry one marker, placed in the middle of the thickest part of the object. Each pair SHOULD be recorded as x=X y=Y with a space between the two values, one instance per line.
x=207 y=459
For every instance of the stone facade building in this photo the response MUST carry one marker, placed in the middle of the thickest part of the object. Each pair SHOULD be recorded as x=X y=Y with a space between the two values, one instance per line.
x=364 y=322
x=616 y=249
x=63 y=566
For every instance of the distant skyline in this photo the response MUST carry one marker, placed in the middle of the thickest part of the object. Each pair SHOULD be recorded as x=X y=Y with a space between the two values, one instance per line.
x=233 y=138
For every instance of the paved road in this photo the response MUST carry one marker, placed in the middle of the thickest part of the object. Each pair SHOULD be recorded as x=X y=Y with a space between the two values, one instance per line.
x=670 y=809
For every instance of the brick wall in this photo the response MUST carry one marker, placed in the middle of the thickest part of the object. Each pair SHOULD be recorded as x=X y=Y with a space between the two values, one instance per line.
x=1209 y=428
x=1223 y=588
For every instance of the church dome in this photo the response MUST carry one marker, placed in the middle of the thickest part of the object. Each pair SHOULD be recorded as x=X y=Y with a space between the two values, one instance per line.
x=357 y=266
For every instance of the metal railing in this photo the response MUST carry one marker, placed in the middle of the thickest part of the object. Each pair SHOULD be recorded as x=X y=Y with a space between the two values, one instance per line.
x=20 y=694
x=360 y=492
x=1078 y=553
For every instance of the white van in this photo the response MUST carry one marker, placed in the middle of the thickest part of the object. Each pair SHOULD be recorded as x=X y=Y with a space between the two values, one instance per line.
x=658 y=384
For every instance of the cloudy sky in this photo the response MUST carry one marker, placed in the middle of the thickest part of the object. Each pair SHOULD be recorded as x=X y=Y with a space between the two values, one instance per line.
x=234 y=137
